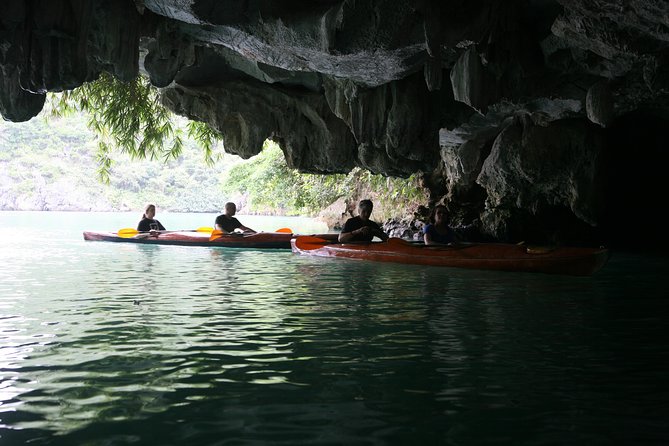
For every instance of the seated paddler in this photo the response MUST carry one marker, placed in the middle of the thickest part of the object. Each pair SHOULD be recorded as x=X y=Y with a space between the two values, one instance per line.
x=361 y=228
x=148 y=223
x=228 y=224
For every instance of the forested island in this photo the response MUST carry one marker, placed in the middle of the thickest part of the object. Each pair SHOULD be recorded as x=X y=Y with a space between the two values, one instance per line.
x=51 y=164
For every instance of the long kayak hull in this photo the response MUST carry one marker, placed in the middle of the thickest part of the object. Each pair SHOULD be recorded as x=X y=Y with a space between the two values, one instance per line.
x=487 y=256
x=260 y=240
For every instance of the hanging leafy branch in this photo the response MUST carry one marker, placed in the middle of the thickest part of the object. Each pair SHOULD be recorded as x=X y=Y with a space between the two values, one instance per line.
x=129 y=117
x=207 y=137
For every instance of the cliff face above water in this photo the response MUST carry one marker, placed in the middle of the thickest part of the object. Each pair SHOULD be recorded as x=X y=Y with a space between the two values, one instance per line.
x=538 y=120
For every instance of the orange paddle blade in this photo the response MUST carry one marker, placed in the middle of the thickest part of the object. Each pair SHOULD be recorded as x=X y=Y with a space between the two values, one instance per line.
x=215 y=234
x=285 y=230
x=308 y=243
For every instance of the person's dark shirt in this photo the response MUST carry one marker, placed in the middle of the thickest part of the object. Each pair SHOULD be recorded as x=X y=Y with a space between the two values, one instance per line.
x=356 y=223
x=438 y=237
x=145 y=225
x=228 y=224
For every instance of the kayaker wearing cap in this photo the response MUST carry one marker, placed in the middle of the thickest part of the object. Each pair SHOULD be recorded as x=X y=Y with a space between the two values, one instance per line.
x=361 y=228
x=148 y=223
x=227 y=223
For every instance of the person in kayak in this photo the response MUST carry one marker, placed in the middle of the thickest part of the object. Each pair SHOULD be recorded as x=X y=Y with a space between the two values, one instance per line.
x=148 y=223
x=227 y=223
x=361 y=228
x=437 y=232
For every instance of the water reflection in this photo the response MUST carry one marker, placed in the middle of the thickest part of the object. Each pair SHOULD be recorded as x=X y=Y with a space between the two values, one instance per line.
x=173 y=345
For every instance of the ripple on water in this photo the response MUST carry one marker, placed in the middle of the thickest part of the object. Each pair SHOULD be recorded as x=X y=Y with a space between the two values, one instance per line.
x=104 y=343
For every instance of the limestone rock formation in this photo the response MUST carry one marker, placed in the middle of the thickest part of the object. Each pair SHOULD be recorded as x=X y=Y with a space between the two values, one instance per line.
x=516 y=112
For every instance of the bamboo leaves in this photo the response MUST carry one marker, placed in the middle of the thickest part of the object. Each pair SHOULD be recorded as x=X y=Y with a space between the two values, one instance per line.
x=128 y=116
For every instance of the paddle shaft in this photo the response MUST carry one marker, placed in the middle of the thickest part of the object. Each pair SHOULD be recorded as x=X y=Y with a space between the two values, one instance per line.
x=131 y=232
x=216 y=234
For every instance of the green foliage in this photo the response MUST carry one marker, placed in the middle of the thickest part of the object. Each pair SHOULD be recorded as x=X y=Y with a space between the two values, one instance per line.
x=51 y=165
x=272 y=187
x=207 y=137
x=129 y=117
x=132 y=131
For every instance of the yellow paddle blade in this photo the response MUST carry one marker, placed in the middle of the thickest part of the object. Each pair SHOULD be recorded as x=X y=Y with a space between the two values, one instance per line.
x=215 y=234
x=127 y=232
x=205 y=229
x=285 y=230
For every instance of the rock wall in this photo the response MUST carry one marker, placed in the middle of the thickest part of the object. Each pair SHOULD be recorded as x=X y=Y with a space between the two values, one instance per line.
x=509 y=109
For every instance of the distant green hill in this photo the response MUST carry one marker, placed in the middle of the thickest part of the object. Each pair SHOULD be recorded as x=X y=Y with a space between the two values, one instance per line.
x=52 y=166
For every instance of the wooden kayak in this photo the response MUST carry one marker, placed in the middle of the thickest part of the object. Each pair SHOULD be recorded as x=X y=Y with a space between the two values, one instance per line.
x=489 y=256
x=262 y=240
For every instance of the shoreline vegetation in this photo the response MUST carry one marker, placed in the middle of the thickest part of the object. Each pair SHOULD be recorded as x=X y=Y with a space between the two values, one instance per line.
x=51 y=166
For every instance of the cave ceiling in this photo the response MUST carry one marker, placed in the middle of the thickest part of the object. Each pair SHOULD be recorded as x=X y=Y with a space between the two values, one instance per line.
x=507 y=101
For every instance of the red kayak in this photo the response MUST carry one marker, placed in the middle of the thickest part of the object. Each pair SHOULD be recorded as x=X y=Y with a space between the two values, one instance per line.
x=490 y=256
x=264 y=240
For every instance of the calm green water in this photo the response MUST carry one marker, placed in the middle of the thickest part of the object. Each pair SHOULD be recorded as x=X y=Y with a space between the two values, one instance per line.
x=113 y=344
